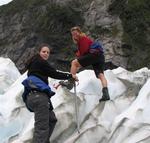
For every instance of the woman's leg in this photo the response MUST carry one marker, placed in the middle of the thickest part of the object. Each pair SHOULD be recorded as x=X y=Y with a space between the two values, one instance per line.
x=82 y=61
x=99 y=72
x=75 y=66
x=39 y=102
x=105 y=92
x=102 y=79
x=52 y=122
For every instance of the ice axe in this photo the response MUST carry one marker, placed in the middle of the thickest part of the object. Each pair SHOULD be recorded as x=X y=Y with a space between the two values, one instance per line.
x=76 y=106
x=67 y=85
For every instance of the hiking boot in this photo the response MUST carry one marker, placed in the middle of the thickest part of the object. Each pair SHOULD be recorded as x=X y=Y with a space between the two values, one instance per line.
x=68 y=84
x=105 y=96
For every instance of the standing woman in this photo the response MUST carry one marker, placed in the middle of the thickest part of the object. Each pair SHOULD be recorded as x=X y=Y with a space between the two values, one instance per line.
x=37 y=93
x=85 y=58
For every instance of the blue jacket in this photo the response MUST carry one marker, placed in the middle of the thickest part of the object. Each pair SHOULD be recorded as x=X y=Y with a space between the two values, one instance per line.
x=35 y=83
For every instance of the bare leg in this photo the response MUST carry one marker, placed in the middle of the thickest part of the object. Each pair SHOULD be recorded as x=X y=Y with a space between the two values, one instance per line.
x=103 y=79
x=75 y=66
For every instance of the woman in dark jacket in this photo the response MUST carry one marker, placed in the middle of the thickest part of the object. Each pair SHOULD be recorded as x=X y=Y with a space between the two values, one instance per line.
x=39 y=101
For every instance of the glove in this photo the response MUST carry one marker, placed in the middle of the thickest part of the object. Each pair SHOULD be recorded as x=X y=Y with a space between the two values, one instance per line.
x=68 y=84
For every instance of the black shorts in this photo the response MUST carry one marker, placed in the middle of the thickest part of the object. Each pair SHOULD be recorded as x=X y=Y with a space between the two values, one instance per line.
x=96 y=60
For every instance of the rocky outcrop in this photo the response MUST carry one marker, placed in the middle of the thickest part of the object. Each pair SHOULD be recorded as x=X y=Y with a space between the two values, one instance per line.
x=27 y=23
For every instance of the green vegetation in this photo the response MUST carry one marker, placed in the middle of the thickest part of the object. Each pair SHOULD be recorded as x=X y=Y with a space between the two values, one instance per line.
x=49 y=20
x=17 y=6
x=135 y=16
x=56 y=22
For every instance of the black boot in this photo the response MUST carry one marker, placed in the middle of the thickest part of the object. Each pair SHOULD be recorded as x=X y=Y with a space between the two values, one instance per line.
x=105 y=96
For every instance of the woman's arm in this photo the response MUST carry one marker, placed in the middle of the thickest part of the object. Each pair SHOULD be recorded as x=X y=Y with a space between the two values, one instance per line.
x=53 y=73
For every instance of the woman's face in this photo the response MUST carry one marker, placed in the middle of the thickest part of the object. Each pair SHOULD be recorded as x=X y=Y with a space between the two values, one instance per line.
x=44 y=53
x=75 y=35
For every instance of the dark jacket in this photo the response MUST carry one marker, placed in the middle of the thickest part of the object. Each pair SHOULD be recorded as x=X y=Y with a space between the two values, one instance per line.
x=42 y=69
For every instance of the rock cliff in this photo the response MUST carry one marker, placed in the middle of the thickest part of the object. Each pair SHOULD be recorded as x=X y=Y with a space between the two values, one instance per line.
x=122 y=26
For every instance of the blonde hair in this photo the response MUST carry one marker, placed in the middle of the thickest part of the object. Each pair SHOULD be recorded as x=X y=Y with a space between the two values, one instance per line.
x=77 y=28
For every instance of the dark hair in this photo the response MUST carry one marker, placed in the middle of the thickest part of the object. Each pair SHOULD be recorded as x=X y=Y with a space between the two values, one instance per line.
x=27 y=64
x=44 y=45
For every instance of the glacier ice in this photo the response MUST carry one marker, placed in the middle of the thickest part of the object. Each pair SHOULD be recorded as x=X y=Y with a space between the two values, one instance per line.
x=123 y=119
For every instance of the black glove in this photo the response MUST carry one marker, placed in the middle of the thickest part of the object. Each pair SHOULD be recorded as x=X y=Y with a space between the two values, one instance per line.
x=68 y=84
x=50 y=94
